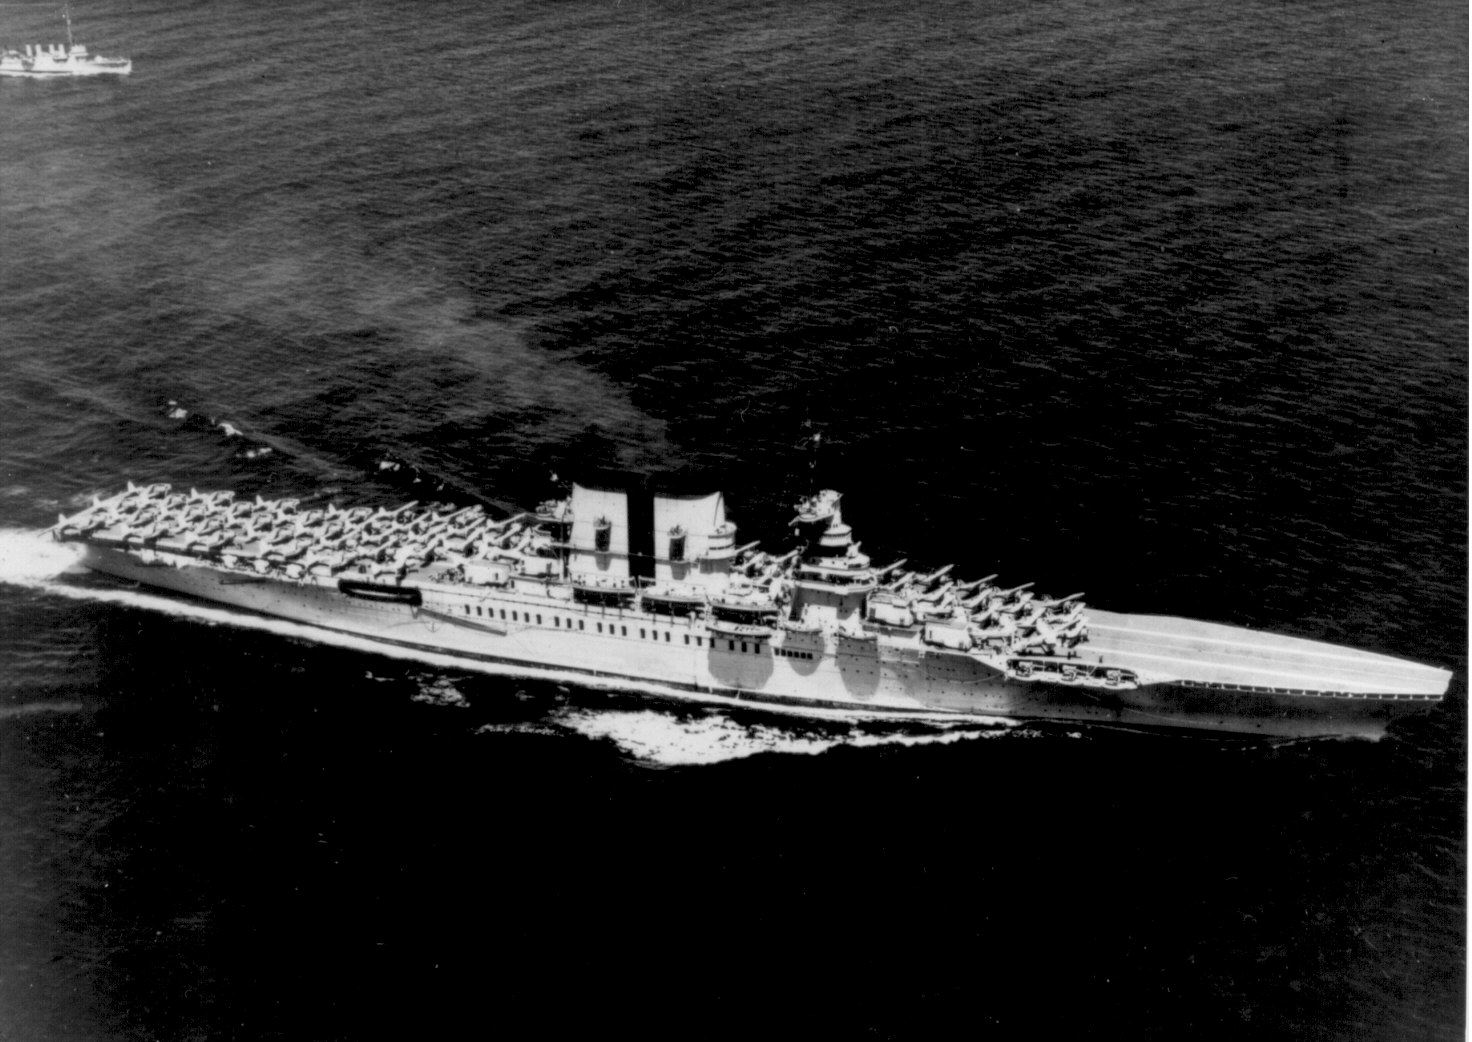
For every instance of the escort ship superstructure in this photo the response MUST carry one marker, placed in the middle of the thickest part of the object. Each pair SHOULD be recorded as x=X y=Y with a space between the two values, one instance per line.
x=656 y=591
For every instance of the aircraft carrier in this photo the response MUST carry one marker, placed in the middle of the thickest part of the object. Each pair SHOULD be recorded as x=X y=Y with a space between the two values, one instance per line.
x=656 y=591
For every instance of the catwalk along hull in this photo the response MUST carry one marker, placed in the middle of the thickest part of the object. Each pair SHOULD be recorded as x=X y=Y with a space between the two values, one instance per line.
x=1191 y=676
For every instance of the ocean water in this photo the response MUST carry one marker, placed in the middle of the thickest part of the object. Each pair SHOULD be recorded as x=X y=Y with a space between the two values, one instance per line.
x=1157 y=299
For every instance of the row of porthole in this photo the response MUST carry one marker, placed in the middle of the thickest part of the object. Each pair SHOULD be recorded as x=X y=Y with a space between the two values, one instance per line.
x=654 y=635
x=644 y=635
x=559 y=622
x=516 y=616
x=754 y=648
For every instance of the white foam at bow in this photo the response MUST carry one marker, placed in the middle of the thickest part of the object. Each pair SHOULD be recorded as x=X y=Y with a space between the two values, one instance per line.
x=28 y=558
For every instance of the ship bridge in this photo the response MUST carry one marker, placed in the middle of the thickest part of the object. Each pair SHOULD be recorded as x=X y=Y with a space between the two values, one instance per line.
x=833 y=578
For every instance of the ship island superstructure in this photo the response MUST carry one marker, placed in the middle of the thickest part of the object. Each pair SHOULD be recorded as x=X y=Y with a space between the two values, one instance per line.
x=653 y=589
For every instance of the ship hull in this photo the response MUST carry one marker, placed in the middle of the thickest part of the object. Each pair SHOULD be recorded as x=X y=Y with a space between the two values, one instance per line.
x=67 y=74
x=533 y=629
x=64 y=70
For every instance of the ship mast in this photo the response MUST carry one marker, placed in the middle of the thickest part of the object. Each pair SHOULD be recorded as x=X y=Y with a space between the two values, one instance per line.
x=66 y=12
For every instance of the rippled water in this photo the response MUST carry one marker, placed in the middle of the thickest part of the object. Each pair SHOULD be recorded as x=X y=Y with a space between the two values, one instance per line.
x=1161 y=300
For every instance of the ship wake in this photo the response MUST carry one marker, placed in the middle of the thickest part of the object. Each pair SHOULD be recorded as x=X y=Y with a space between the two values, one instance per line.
x=669 y=740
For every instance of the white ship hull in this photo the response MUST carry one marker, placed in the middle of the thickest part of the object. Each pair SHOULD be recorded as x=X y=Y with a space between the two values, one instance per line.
x=67 y=72
x=538 y=627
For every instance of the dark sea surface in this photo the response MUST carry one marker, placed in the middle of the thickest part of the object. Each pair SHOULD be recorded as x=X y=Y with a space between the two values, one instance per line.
x=1162 y=300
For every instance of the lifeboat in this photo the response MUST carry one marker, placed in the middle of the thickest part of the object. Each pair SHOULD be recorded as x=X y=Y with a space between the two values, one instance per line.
x=383 y=592
x=611 y=592
x=739 y=630
x=744 y=606
x=673 y=600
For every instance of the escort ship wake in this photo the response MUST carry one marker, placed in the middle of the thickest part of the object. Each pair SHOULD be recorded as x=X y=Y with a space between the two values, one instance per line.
x=660 y=593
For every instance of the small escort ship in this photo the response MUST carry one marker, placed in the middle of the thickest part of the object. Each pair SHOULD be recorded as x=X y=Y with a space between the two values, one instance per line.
x=49 y=61
x=655 y=591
